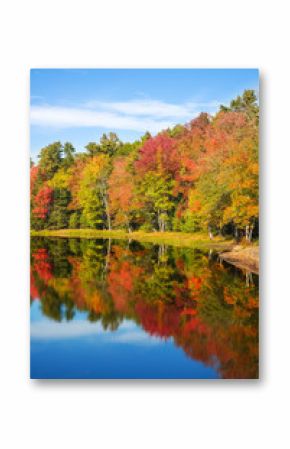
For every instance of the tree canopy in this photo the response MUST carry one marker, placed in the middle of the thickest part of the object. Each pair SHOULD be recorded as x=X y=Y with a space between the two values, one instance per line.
x=194 y=177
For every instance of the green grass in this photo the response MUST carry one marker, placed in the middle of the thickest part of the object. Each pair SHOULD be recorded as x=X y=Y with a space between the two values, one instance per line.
x=180 y=239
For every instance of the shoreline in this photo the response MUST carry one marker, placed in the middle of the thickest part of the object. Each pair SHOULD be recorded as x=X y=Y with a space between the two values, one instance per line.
x=180 y=239
x=243 y=258
x=246 y=258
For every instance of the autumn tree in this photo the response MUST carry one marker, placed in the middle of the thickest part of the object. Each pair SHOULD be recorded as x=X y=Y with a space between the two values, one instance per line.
x=120 y=193
x=247 y=103
x=50 y=159
x=156 y=170
x=199 y=176
x=93 y=192
x=68 y=151
x=42 y=206
x=59 y=216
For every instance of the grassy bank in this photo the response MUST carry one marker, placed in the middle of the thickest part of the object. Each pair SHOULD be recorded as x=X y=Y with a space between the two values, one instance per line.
x=180 y=239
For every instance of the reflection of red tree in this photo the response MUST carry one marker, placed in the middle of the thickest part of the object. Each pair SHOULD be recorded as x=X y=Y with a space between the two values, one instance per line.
x=33 y=289
x=180 y=264
x=194 y=285
x=228 y=298
x=41 y=265
x=120 y=283
x=195 y=325
x=231 y=349
x=160 y=320
x=221 y=334
x=81 y=294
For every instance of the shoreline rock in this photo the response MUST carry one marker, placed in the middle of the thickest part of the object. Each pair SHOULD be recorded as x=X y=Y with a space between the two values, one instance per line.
x=244 y=258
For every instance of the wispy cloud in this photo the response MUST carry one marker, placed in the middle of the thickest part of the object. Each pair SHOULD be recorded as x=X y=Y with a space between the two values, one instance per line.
x=137 y=337
x=61 y=117
x=44 y=330
x=150 y=108
x=128 y=333
x=138 y=115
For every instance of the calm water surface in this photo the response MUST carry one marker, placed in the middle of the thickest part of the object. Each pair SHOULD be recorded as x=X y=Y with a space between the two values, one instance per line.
x=119 y=309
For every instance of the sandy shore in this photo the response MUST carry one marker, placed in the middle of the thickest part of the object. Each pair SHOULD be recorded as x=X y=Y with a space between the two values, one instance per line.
x=245 y=258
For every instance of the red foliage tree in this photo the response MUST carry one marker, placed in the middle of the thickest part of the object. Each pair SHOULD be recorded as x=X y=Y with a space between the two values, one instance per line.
x=33 y=177
x=121 y=192
x=42 y=201
x=158 y=154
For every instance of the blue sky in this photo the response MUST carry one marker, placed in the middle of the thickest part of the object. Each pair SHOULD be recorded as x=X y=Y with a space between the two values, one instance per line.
x=79 y=105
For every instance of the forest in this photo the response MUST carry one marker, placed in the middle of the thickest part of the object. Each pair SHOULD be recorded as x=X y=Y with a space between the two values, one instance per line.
x=197 y=177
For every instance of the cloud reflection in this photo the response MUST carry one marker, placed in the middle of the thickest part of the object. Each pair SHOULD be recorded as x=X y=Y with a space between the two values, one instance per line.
x=127 y=333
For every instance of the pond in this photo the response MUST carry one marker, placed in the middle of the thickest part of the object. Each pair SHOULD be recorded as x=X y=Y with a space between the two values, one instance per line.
x=121 y=309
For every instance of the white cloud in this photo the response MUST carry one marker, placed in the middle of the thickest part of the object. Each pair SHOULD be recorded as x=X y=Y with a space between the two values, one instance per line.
x=134 y=337
x=128 y=332
x=53 y=330
x=138 y=115
x=149 y=108
x=60 y=117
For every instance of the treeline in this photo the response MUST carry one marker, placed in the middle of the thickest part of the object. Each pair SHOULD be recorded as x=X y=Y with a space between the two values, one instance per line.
x=196 y=177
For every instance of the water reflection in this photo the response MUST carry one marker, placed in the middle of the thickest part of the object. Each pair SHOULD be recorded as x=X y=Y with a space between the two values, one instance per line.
x=182 y=299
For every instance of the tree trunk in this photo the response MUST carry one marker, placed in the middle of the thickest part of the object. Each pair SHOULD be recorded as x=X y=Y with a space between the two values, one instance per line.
x=161 y=253
x=108 y=255
x=236 y=233
x=104 y=195
x=161 y=220
x=251 y=233
x=103 y=191
x=128 y=224
x=210 y=233
x=249 y=278
x=247 y=233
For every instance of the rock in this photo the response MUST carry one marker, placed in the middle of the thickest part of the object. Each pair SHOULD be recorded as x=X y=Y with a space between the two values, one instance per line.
x=246 y=258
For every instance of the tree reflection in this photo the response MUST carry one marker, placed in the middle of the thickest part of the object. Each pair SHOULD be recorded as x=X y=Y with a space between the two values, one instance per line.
x=210 y=310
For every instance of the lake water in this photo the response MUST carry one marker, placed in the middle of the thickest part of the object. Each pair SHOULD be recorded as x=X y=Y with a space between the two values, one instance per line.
x=120 y=309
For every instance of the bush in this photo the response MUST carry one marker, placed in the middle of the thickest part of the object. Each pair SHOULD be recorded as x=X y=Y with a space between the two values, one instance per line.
x=74 y=221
